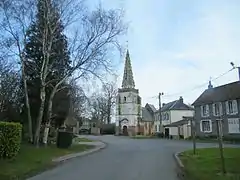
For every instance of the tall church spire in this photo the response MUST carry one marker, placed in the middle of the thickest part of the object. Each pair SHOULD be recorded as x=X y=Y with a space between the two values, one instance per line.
x=128 y=81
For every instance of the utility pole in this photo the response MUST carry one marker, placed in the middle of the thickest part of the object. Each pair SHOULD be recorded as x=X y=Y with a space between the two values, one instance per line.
x=193 y=131
x=220 y=142
x=160 y=110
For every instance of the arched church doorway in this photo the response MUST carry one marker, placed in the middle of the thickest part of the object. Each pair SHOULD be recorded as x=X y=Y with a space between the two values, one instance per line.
x=125 y=131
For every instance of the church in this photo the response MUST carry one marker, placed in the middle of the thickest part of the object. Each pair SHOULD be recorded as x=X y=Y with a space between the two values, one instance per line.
x=130 y=115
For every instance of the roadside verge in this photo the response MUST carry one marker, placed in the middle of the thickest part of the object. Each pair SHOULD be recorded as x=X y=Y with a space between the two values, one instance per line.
x=98 y=146
x=180 y=166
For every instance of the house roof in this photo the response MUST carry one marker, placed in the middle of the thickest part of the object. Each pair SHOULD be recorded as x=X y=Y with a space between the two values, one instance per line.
x=176 y=105
x=152 y=107
x=225 y=92
x=177 y=123
x=147 y=115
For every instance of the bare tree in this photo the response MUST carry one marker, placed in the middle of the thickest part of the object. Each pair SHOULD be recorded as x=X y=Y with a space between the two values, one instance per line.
x=102 y=102
x=97 y=35
x=109 y=93
x=90 y=48
x=10 y=93
x=16 y=17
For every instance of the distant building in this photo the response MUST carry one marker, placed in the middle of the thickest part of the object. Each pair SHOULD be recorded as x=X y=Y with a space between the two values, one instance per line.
x=172 y=114
x=128 y=109
x=222 y=102
x=147 y=120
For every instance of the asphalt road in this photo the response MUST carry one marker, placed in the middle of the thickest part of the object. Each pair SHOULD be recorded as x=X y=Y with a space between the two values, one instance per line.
x=124 y=158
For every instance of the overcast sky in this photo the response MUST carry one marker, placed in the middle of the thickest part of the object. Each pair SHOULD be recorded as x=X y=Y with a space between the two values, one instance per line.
x=176 y=45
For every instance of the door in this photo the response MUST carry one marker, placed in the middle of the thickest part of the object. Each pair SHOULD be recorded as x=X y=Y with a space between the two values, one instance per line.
x=125 y=131
x=166 y=132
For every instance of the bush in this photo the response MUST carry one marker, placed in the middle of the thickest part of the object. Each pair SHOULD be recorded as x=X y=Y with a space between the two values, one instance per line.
x=10 y=139
x=64 y=139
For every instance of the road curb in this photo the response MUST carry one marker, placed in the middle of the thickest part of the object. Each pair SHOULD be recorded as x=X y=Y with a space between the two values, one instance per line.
x=180 y=166
x=80 y=154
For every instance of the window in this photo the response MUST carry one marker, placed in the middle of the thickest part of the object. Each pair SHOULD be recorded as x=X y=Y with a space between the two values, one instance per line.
x=230 y=107
x=206 y=126
x=204 y=110
x=125 y=99
x=167 y=116
x=233 y=125
x=217 y=109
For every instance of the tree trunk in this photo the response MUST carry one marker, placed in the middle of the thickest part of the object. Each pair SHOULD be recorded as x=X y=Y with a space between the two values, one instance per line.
x=46 y=132
x=40 y=116
x=49 y=116
x=30 y=129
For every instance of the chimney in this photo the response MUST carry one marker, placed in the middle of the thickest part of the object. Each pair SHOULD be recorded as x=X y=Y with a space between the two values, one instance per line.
x=210 y=86
x=181 y=99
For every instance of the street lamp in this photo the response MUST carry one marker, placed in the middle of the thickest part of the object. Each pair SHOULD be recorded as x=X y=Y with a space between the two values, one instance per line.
x=234 y=67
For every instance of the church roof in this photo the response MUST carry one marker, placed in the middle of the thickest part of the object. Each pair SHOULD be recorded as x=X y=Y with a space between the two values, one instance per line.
x=146 y=115
x=148 y=112
x=128 y=81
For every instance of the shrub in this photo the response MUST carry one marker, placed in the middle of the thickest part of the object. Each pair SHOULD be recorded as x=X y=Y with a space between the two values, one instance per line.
x=10 y=139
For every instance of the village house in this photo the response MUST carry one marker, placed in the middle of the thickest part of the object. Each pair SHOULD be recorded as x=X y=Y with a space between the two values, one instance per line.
x=219 y=103
x=172 y=119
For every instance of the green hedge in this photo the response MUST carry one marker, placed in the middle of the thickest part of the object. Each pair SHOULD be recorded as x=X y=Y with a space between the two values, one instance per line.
x=10 y=139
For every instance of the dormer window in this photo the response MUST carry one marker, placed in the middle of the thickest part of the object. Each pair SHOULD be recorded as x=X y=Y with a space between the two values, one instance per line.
x=125 y=99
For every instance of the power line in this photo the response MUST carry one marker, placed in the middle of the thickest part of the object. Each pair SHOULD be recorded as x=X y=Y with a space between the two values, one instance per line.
x=195 y=88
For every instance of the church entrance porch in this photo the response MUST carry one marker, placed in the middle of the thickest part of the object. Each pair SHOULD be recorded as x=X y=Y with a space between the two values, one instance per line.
x=125 y=131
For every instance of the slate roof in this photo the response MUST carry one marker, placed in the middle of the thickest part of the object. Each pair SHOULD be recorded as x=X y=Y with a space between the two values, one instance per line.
x=225 y=92
x=177 y=123
x=148 y=112
x=152 y=107
x=176 y=105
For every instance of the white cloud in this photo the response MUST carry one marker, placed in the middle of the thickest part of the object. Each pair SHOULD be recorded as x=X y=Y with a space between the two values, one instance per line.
x=202 y=48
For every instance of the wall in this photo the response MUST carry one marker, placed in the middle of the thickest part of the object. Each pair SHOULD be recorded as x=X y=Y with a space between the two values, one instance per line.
x=225 y=118
x=85 y=125
x=176 y=115
x=129 y=109
x=186 y=130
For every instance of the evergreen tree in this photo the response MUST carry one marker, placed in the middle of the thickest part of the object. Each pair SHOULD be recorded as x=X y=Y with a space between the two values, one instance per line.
x=59 y=59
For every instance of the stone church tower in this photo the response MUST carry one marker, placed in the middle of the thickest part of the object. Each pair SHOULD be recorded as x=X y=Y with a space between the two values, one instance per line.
x=128 y=103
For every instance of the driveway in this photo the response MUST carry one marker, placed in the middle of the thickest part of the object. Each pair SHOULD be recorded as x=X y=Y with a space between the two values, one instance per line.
x=124 y=158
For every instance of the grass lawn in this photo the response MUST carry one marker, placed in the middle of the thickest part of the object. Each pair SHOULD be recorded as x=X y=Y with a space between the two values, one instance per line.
x=82 y=140
x=143 y=137
x=31 y=160
x=206 y=164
